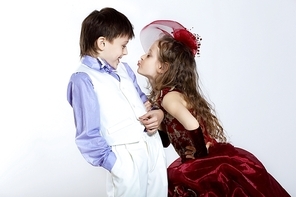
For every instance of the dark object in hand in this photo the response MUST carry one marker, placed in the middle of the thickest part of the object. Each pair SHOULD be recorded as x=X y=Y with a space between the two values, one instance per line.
x=164 y=138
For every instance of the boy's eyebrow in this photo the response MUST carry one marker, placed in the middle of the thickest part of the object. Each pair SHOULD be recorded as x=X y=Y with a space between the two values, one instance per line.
x=126 y=41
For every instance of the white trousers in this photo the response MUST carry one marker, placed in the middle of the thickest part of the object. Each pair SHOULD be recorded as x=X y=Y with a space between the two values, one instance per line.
x=140 y=169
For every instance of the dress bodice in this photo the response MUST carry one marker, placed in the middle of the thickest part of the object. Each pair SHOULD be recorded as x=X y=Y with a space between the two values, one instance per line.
x=179 y=136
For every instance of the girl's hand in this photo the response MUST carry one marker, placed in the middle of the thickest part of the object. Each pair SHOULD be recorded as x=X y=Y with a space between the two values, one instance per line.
x=151 y=120
x=147 y=105
x=208 y=145
x=190 y=151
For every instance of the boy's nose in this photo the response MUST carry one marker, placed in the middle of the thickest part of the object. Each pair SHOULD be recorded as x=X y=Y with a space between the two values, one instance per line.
x=125 y=52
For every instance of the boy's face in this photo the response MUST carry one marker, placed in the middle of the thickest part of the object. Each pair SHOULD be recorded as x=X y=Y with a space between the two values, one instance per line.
x=149 y=66
x=113 y=51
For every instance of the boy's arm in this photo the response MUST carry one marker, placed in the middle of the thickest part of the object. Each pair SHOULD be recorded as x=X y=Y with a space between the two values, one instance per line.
x=134 y=79
x=82 y=98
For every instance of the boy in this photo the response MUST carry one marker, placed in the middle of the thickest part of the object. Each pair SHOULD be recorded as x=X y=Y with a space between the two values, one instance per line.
x=109 y=111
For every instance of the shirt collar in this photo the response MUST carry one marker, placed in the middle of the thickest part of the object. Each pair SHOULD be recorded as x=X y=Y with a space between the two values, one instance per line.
x=97 y=64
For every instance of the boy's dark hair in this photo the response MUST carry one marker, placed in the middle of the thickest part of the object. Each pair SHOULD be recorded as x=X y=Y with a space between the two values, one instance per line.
x=108 y=23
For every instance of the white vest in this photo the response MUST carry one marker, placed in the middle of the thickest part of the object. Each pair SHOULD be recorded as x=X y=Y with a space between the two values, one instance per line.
x=120 y=106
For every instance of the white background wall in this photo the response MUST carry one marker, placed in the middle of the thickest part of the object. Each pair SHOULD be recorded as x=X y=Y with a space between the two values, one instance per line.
x=247 y=69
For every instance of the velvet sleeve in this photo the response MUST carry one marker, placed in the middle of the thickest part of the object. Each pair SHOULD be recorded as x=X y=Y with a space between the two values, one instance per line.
x=198 y=142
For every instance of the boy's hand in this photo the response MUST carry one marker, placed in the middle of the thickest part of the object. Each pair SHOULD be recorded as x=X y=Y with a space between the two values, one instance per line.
x=151 y=120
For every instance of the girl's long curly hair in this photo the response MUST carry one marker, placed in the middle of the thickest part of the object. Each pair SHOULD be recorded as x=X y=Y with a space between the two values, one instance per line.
x=181 y=74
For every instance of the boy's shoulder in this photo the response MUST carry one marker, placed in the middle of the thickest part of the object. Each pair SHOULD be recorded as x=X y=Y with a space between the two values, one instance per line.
x=128 y=68
x=79 y=76
x=125 y=64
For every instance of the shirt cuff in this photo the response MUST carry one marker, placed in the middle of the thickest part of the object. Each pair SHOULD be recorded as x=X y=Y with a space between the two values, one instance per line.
x=110 y=161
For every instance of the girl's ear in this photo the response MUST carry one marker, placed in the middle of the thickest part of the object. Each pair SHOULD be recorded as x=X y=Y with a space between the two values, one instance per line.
x=163 y=67
x=101 y=43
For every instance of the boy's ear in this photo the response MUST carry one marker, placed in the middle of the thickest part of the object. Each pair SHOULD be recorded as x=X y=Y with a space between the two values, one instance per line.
x=101 y=43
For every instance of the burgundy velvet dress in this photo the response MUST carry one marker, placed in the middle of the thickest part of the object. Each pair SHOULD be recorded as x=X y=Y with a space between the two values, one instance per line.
x=223 y=171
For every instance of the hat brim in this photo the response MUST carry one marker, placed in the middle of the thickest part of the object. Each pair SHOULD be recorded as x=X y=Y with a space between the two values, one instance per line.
x=155 y=30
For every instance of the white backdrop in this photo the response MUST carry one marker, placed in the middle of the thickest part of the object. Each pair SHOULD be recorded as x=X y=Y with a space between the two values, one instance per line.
x=247 y=69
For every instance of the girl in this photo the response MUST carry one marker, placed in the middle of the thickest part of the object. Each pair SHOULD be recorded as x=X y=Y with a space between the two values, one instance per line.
x=217 y=168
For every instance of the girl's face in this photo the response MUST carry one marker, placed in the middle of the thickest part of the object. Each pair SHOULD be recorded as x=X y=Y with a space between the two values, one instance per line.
x=149 y=66
x=113 y=51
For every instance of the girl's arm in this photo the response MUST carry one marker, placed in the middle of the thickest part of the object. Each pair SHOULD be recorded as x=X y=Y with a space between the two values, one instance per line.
x=175 y=105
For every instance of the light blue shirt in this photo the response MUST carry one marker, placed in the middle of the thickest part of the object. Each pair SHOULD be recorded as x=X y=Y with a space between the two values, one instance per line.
x=83 y=99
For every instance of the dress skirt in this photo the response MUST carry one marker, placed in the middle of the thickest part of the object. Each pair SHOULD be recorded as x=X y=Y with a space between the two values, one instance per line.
x=227 y=171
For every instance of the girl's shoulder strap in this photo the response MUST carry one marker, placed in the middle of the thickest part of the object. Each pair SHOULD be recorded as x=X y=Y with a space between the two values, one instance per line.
x=166 y=90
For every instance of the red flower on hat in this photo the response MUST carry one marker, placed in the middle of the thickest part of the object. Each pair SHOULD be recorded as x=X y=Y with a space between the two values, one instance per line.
x=190 y=40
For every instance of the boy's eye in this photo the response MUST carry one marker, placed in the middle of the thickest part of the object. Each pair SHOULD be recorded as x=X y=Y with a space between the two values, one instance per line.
x=124 y=46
